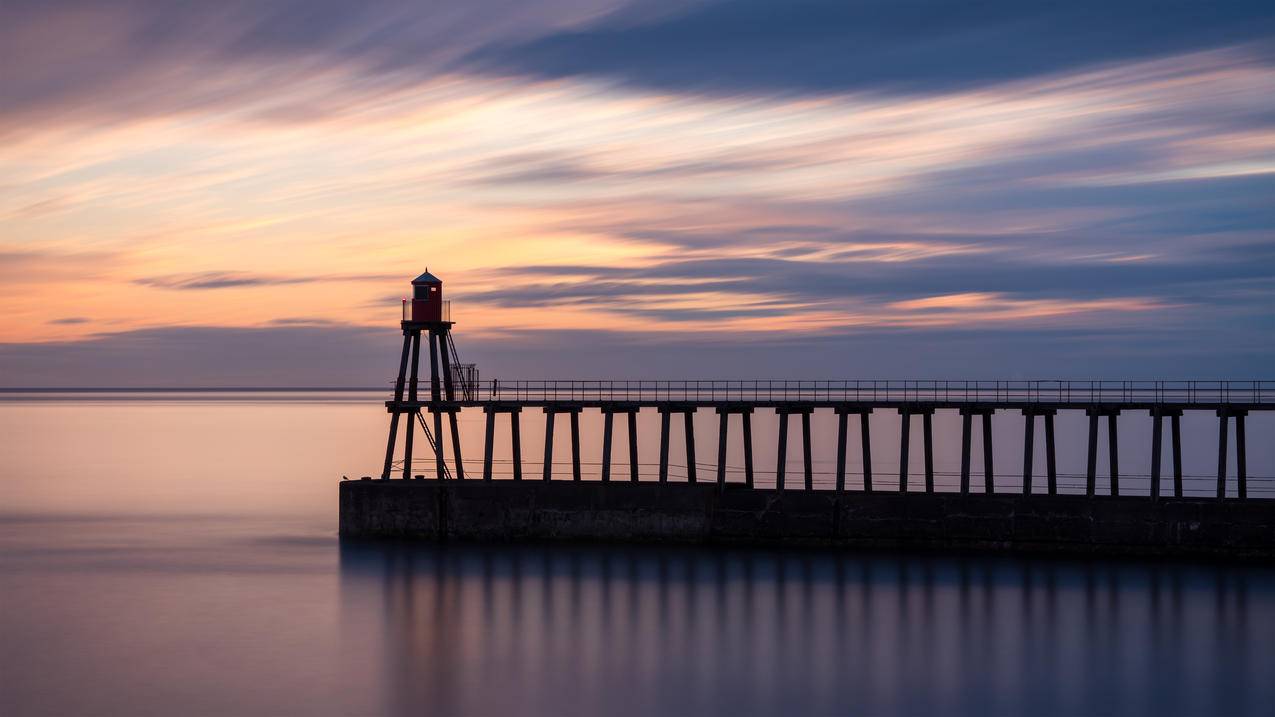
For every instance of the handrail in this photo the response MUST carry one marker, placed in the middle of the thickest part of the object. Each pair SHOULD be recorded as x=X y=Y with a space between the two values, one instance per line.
x=1027 y=392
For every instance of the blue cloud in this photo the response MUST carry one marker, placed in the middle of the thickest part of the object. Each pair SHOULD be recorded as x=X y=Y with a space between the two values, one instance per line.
x=834 y=46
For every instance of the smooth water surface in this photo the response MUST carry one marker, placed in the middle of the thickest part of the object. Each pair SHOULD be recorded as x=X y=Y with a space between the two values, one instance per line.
x=178 y=555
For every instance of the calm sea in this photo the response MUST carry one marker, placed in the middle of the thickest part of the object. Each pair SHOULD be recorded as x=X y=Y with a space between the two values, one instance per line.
x=176 y=554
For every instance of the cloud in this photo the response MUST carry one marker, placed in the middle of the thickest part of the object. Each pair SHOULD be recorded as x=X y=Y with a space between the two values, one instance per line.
x=837 y=46
x=239 y=279
x=354 y=356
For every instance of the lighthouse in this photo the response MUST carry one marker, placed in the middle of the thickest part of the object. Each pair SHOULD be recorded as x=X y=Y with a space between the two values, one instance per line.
x=427 y=315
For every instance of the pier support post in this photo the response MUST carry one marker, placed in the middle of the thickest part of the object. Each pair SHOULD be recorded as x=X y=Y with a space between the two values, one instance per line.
x=965 y=450
x=805 y=450
x=489 y=441
x=723 y=425
x=1241 y=488
x=455 y=428
x=664 y=420
x=905 y=416
x=1221 y=454
x=688 y=416
x=927 y=433
x=1113 y=450
x=724 y=413
x=1157 y=433
x=608 y=424
x=688 y=421
x=1029 y=432
x=842 y=419
x=989 y=475
x=516 y=439
x=548 y=467
x=1176 y=432
x=574 y=415
x=633 y=445
x=575 y=445
x=866 y=437
x=1091 y=472
x=407 y=447
x=1029 y=438
x=1241 y=466
x=440 y=459
x=784 y=411
x=490 y=410
x=782 y=459
x=1051 y=466
x=398 y=397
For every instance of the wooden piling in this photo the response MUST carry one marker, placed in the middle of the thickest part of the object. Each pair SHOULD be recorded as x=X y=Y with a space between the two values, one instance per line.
x=989 y=475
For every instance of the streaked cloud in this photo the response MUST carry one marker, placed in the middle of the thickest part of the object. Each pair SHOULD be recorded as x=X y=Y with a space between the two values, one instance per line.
x=819 y=170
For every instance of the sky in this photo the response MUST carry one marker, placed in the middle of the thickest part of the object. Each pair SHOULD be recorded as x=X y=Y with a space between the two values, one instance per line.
x=237 y=192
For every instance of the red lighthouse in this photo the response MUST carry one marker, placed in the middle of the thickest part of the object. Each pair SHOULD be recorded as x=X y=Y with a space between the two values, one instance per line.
x=427 y=305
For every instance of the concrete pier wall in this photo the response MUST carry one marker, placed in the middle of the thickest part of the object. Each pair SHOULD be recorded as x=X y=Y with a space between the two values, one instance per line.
x=701 y=513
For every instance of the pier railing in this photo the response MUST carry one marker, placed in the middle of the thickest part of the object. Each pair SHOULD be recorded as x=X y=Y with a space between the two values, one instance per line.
x=859 y=390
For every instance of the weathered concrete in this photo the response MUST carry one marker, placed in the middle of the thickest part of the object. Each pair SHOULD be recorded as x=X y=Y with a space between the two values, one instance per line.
x=701 y=513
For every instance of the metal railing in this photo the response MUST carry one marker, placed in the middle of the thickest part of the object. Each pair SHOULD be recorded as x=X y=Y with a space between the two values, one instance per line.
x=1025 y=392
x=446 y=310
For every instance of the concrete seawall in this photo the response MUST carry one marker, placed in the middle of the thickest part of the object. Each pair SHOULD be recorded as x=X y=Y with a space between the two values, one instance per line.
x=701 y=513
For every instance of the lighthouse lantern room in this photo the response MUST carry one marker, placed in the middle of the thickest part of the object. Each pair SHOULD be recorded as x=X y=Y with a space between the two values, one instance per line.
x=427 y=304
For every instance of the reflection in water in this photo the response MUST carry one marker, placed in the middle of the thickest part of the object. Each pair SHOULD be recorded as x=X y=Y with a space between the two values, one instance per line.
x=619 y=630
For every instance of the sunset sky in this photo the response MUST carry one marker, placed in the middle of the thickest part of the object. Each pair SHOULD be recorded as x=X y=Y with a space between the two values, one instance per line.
x=237 y=193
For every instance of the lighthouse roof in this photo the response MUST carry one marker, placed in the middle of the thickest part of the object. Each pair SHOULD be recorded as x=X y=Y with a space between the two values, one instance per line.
x=427 y=278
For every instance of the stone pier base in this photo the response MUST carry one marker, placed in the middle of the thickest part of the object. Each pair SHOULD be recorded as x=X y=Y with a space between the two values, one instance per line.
x=476 y=510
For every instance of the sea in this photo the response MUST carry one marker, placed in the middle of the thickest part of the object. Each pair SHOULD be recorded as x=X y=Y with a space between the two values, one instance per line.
x=176 y=553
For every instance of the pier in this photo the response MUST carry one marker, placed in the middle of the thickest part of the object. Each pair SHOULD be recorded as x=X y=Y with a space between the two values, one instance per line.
x=882 y=509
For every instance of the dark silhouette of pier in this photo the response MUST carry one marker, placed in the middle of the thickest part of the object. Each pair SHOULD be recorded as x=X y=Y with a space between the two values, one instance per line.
x=452 y=387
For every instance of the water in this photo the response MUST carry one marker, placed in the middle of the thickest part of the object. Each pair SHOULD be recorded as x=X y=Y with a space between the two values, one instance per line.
x=179 y=556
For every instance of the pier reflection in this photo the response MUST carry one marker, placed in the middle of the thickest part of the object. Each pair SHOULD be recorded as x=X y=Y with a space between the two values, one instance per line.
x=642 y=630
